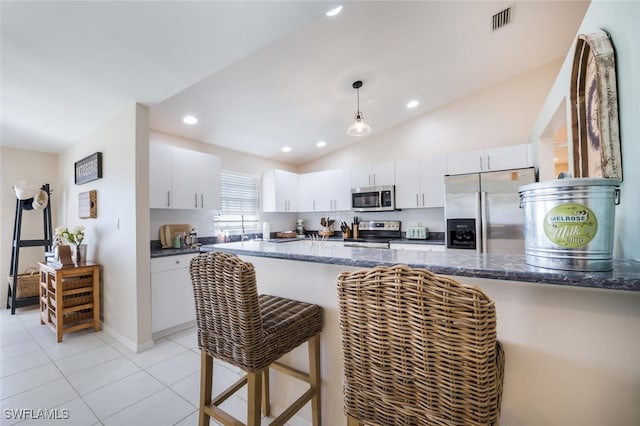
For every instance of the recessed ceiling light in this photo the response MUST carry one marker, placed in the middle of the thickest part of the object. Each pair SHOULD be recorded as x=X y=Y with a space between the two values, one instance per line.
x=334 y=12
x=286 y=149
x=555 y=159
x=189 y=119
x=321 y=144
x=413 y=104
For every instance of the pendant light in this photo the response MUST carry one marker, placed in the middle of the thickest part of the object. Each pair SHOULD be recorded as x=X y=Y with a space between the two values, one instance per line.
x=359 y=127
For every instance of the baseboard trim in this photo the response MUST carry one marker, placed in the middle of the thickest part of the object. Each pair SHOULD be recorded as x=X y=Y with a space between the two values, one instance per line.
x=129 y=344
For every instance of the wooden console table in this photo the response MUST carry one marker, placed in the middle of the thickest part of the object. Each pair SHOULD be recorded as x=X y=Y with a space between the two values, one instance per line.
x=70 y=297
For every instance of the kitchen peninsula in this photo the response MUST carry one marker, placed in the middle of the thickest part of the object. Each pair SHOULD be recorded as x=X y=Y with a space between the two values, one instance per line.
x=572 y=352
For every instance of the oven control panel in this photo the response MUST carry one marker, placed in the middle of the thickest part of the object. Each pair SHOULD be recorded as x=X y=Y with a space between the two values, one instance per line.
x=380 y=225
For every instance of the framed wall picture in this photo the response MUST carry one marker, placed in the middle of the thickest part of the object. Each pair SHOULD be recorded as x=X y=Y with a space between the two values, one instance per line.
x=89 y=168
x=88 y=205
x=594 y=108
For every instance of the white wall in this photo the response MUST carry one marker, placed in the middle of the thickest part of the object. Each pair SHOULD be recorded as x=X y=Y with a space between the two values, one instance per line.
x=500 y=116
x=119 y=237
x=36 y=168
x=620 y=20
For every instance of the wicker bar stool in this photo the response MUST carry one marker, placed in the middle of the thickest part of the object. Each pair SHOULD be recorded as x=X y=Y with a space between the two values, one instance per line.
x=250 y=331
x=419 y=349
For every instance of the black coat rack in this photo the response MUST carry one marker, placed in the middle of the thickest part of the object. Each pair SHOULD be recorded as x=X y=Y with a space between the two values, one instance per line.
x=12 y=301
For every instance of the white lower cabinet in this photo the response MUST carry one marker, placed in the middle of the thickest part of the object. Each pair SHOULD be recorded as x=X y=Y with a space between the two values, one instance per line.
x=419 y=247
x=172 y=305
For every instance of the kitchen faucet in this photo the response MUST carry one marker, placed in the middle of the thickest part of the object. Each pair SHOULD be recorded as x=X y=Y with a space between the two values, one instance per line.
x=243 y=236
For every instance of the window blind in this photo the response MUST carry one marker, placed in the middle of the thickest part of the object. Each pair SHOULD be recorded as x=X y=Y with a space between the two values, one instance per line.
x=239 y=208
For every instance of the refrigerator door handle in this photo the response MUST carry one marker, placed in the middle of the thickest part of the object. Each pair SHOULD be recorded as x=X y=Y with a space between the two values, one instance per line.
x=483 y=215
x=478 y=218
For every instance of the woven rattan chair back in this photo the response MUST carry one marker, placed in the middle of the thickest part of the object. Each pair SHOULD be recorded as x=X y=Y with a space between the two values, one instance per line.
x=252 y=332
x=227 y=309
x=419 y=349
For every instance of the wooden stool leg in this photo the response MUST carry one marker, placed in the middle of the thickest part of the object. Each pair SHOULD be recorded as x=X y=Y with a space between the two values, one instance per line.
x=314 y=378
x=266 y=402
x=206 y=382
x=353 y=422
x=254 y=398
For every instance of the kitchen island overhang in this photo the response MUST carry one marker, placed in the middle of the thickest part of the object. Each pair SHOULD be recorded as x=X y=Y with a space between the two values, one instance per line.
x=572 y=353
x=624 y=276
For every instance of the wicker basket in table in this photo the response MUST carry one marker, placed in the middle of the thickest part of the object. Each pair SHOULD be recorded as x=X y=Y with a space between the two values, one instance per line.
x=27 y=283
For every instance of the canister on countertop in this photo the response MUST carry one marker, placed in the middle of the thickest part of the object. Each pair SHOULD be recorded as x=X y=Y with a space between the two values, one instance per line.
x=569 y=223
x=177 y=239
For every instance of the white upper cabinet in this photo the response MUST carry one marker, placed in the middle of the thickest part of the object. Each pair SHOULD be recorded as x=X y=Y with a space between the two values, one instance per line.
x=159 y=176
x=326 y=191
x=340 y=185
x=503 y=158
x=420 y=183
x=280 y=191
x=314 y=192
x=373 y=175
x=183 y=179
x=209 y=181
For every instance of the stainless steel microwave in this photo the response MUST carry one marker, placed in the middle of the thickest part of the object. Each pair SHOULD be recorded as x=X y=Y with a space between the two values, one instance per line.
x=373 y=198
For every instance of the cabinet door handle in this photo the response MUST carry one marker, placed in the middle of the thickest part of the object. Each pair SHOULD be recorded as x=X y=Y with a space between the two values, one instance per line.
x=488 y=162
x=314 y=205
x=168 y=198
x=417 y=202
x=195 y=196
x=481 y=164
x=423 y=199
x=202 y=200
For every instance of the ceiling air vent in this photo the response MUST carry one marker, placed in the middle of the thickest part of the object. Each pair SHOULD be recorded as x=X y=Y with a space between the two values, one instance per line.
x=501 y=19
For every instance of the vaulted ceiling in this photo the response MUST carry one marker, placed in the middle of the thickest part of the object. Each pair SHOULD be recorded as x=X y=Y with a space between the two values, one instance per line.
x=259 y=75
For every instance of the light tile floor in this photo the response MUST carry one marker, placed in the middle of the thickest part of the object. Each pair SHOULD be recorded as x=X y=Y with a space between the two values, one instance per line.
x=97 y=381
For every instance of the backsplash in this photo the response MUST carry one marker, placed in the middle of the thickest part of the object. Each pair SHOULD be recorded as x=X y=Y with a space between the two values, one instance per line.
x=202 y=220
x=432 y=218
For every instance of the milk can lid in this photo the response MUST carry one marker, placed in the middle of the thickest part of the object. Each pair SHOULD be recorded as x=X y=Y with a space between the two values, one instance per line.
x=570 y=183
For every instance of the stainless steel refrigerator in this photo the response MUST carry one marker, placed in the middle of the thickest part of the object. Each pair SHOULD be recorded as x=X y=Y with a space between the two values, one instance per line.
x=482 y=211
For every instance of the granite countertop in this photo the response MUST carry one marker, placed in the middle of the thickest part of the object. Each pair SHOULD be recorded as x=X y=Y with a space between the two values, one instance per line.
x=625 y=274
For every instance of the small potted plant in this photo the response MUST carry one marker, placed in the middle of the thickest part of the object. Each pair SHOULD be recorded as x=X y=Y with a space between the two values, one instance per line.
x=75 y=238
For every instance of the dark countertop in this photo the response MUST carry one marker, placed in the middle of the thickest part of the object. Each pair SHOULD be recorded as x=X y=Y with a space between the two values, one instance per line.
x=625 y=274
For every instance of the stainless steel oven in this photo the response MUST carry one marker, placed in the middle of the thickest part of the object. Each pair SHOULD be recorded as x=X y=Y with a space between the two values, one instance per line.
x=375 y=234
x=373 y=198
